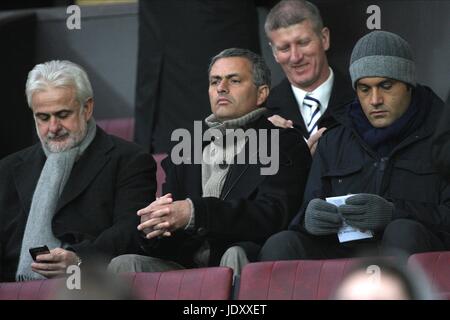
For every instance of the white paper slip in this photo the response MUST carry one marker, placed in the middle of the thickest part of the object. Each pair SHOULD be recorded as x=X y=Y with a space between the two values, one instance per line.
x=338 y=201
x=347 y=233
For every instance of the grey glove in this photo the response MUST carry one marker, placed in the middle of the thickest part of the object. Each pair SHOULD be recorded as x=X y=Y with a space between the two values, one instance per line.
x=322 y=218
x=367 y=211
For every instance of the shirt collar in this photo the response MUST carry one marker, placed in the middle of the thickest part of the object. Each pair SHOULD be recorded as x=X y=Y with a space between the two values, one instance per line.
x=321 y=93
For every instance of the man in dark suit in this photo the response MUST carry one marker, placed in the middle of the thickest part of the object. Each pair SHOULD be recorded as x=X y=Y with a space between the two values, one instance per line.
x=217 y=211
x=77 y=191
x=312 y=92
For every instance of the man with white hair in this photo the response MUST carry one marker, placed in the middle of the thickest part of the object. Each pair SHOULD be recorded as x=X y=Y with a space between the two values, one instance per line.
x=77 y=190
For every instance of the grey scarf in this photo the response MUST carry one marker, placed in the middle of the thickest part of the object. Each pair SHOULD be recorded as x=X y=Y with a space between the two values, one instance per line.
x=53 y=178
x=217 y=156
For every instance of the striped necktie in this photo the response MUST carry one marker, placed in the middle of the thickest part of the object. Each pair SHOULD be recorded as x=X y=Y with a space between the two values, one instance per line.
x=314 y=106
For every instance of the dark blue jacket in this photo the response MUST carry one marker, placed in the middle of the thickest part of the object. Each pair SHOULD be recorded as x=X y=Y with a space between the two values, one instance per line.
x=345 y=164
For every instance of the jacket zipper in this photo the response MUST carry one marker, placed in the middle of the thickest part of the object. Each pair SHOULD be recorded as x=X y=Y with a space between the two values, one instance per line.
x=381 y=168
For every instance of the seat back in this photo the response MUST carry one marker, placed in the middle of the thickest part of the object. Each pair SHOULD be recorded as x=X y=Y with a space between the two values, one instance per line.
x=436 y=266
x=31 y=290
x=124 y=128
x=160 y=174
x=293 y=279
x=120 y=127
x=190 y=284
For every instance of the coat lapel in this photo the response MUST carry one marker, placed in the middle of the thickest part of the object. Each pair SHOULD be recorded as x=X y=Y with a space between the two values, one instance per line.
x=242 y=180
x=245 y=175
x=193 y=177
x=282 y=102
x=86 y=168
x=235 y=173
x=26 y=175
x=342 y=94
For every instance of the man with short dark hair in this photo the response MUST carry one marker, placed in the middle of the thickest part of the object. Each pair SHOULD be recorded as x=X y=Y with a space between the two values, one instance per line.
x=312 y=92
x=380 y=155
x=220 y=210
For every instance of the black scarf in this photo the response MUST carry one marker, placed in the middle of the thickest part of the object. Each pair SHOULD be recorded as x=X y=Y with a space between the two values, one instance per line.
x=383 y=140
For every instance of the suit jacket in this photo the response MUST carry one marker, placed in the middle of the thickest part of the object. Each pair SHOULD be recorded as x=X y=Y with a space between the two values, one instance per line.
x=282 y=101
x=96 y=213
x=251 y=206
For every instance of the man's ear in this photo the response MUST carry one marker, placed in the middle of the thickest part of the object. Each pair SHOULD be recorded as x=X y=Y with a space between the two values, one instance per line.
x=273 y=52
x=263 y=93
x=325 y=36
x=88 y=108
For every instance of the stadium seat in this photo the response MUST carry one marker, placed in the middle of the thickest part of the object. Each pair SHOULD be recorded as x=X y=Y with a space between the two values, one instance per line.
x=124 y=128
x=160 y=174
x=436 y=266
x=190 y=284
x=30 y=290
x=292 y=280
x=120 y=127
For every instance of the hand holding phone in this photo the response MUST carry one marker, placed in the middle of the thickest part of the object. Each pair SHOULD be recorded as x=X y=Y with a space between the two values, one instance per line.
x=38 y=250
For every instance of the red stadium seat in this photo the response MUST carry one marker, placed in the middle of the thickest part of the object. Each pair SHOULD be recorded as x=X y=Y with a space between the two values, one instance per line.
x=31 y=290
x=160 y=174
x=190 y=284
x=292 y=280
x=436 y=266
x=120 y=127
x=124 y=128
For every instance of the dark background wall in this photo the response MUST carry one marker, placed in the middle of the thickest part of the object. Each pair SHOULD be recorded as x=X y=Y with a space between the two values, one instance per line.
x=107 y=44
x=17 y=57
x=426 y=26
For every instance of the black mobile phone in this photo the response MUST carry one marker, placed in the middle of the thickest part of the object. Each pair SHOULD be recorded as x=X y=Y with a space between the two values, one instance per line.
x=38 y=250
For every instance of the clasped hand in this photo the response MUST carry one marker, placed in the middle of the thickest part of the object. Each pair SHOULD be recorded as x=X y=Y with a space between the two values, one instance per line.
x=163 y=216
